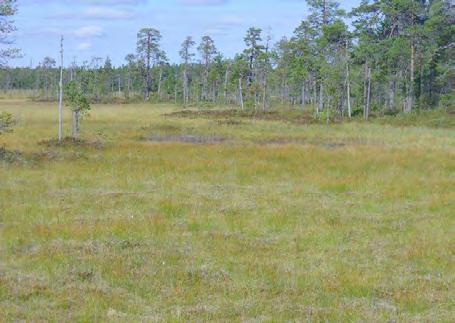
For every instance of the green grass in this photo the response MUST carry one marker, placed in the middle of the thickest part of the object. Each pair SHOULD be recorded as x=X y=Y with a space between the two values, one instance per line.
x=280 y=221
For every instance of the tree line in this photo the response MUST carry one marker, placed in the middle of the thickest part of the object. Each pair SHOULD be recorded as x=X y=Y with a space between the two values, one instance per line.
x=385 y=56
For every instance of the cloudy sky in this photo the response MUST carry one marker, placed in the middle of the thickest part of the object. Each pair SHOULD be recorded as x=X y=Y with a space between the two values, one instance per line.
x=108 y=27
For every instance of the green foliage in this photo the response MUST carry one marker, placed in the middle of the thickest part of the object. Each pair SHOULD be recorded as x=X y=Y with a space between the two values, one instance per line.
x=6 y=121
x=401 y=50
x=76 y=99
x=7 y=10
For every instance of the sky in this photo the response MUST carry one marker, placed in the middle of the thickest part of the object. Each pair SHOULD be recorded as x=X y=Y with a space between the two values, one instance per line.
x=101 y=28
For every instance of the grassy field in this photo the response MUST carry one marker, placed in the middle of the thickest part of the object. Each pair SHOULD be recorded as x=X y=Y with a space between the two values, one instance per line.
x=164 y=216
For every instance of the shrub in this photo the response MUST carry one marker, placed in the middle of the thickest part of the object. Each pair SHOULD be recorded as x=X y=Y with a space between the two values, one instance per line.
x=6 y=121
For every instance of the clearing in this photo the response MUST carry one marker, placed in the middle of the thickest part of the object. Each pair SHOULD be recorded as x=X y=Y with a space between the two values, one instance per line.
x=163 y=215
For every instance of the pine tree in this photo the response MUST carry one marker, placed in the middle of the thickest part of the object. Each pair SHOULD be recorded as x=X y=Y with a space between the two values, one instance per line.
x=207 y=50
x=148 y=47
x=186 y=55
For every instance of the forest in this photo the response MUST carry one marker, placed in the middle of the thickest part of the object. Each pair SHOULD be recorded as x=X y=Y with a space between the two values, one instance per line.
x=309 y=179
x=383 y=57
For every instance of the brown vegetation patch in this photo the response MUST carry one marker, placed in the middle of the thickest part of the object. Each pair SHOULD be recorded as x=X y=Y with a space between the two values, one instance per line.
x=326 y=143
x=230 y=122
x=192 y=139
x=294 y=116
x=168 y=129
x=72 y=142
x=56 y=156
x=19 y=158
x=12 y=156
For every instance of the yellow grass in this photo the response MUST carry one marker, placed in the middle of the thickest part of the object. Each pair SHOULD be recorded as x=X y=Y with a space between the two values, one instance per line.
x=278 y=222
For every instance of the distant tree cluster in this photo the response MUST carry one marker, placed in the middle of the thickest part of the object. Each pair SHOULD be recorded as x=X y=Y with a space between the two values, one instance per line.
x=397 y=56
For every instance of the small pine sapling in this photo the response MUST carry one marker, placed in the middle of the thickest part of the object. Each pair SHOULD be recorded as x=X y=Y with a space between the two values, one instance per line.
x=79 y=105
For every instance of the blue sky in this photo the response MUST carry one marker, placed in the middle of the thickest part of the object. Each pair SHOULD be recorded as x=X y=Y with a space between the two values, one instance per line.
x=108 y=27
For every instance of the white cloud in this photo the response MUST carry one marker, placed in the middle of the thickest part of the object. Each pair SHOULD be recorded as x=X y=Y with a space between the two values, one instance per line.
x=117 y=2
x=84 y=46
x=203 y=2
x=88 y=31
x=106 y=13
x=232 y=20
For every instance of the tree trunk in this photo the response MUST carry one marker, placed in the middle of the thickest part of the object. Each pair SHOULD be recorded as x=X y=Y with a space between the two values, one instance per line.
x=205 y=81
x=159 y=83
x=391 y=98
x=60 y=97
x=328 y=110
x=264 y=93
x=303 y=95
x=410 y=101
x=348 y=90
x=421 y=85
x=241 y=94
x=367 y=104
x=74 y=124
x=315 y=93
x=321 y=98
x=226 y=78
x=185 y=88
x=119 y=86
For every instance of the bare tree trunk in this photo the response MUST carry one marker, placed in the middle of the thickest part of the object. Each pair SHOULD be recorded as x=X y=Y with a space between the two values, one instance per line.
x=348 y=83
x=328 y=110
x=119 y=86
x=303 y=95
x=321 y=98
x=391 y=97
x=129 y=84
x=264 y=93
x=241 y=94
x=367 y=105
x=226 y=78
x=78 y=120
x=74 y=124
x=185 y=88
x=286 y=91
x=159 y=83
x=205 y=81
x=348 y=91
x=60 y=97
x=421 y=84
x=410 y=102
x=315 y=93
